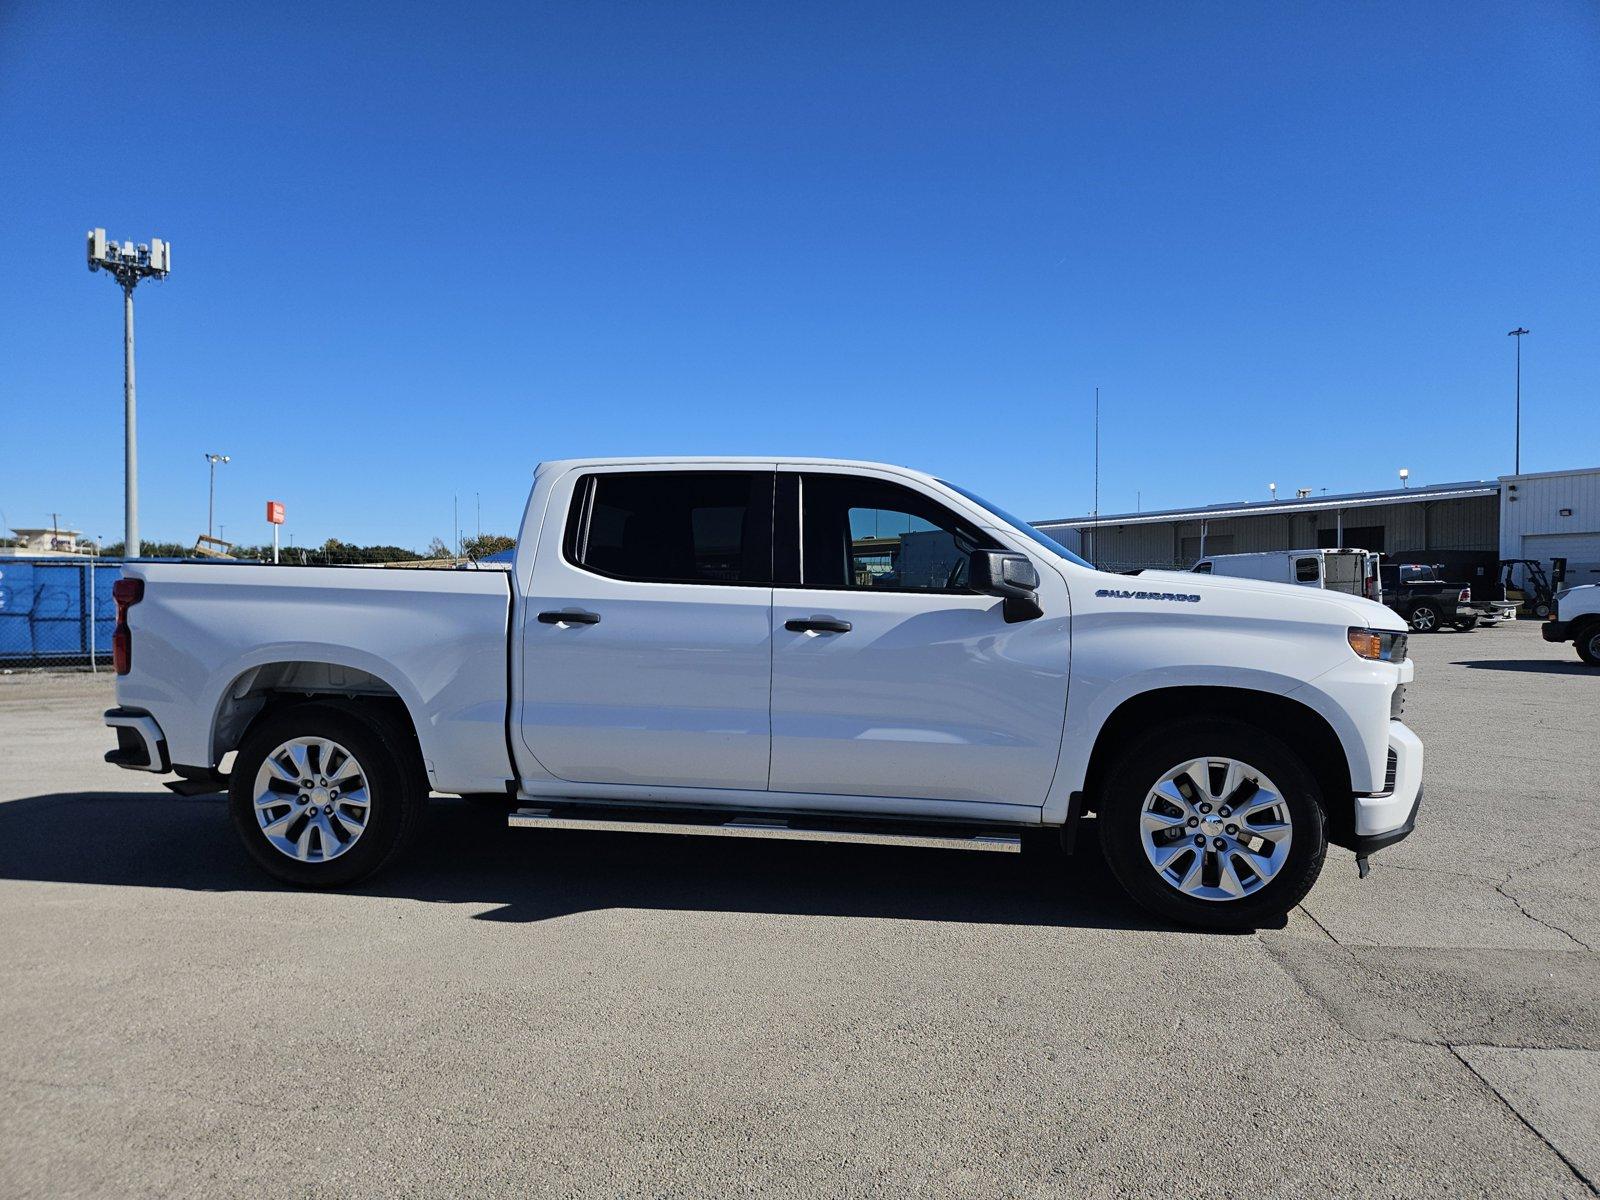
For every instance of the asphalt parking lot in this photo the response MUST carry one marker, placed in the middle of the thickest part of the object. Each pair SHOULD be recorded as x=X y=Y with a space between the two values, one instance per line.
x=574 y=1014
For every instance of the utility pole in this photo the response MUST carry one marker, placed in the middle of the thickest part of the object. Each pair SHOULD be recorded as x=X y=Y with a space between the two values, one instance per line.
x=211 y=503
x=1519 y=333
x=1095 y=557
x=128 y=265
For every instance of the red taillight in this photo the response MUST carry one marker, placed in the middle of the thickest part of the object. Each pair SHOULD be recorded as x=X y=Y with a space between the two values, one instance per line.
x=127 y=593
x=1466 y=594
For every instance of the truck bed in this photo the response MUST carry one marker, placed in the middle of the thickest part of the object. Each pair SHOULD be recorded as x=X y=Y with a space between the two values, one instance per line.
x=207 y=637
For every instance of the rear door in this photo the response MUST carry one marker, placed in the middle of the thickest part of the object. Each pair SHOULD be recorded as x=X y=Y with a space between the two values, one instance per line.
x=647 y=635
x=891 y=677
x=1344 y=572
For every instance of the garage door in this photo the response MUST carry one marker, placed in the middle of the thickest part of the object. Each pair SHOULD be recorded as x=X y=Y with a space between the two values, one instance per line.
x=1581 y=550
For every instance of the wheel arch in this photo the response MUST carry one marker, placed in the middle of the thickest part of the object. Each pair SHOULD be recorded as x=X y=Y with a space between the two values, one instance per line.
x=1299 y=725
x=1582 y=626
x=263 y=690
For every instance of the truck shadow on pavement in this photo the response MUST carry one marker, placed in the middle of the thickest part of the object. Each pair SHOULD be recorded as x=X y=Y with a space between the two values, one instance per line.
x=1539 y=666
x=468 y=856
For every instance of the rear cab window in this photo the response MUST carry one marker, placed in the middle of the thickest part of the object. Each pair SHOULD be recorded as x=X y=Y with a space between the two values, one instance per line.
x=673 y=526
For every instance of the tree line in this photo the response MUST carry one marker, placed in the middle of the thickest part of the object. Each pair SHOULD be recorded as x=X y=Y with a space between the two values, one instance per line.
x=332 y=552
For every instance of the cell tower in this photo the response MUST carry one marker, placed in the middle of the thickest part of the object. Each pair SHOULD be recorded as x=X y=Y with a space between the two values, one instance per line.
x=128 y=265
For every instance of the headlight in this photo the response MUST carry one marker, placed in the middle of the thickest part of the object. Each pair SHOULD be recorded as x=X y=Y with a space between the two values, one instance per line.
x=1378 y=645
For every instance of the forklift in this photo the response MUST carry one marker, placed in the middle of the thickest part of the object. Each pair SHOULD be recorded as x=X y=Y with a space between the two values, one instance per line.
x=1537 y=595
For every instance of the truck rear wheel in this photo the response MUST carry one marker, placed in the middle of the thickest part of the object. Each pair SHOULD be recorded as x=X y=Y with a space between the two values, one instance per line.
x=1425 y=618
x=325 y=796
x=1213 y=823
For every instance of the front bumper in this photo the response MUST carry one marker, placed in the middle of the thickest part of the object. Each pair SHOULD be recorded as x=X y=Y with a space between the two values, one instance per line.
x=1556 y=631
x=1384 y=818
x=141 y=746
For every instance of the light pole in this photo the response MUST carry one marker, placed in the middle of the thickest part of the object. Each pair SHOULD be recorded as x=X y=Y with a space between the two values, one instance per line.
x=128 y=264
x=1405 y=477
x=211 y=505
x=1519 y=333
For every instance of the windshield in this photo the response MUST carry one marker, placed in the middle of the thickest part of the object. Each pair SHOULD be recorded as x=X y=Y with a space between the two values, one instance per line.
x=1021 y=526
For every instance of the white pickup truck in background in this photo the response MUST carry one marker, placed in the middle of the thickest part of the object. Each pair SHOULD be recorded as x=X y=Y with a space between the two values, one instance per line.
x=797 y=647
x=1575 y=618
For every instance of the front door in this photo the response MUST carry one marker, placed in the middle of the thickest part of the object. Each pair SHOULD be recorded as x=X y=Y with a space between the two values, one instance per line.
x=890 y=676
x=647 y=639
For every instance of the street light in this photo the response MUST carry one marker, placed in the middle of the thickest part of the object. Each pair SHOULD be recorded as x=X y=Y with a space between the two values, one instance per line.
x=1519 y=333
x=1405 y=477
x=211 y=507
x=128 y=264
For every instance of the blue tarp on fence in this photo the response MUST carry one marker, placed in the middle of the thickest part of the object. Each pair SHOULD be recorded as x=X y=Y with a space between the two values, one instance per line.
x=56 y=610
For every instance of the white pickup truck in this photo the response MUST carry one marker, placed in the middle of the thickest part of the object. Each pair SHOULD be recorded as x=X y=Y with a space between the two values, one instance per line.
x=798 y=647
x=1575 y=618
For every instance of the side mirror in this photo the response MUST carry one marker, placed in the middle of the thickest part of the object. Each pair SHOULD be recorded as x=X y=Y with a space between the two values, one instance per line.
x=1012 y=577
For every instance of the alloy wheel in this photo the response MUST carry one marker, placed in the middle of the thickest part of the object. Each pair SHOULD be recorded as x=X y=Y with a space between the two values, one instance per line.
x=311 y=799
x=1216 y=828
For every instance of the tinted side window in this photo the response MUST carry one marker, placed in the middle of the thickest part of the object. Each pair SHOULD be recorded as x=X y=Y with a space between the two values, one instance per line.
x=1203 y=569
x=1305 y=570
x=863 y=533
x=674 y=526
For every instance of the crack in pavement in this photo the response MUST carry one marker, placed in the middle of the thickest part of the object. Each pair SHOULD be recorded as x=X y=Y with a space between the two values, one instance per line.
x=1531 y=1127
x=1522 y=908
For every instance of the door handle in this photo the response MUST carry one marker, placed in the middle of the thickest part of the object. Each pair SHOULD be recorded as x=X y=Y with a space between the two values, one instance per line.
x=817 y=625
x=569 y=618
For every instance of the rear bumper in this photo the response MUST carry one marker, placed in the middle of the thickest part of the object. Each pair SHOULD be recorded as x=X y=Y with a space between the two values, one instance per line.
x=141 y=746
x=1556 y=631
x=1387 y=817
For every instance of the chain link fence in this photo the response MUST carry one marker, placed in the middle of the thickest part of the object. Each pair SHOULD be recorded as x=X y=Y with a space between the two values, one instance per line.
x=57 y=612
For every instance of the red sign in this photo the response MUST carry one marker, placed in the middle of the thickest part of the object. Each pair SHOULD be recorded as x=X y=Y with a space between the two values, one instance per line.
x=275 y=512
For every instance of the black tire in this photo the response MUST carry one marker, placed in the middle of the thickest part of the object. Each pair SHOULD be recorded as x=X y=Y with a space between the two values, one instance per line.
x=1425 y=618
x=1588 y=643
x=1465 y=625
x=396 y=782
x=1142 y=764
x=1541 y=610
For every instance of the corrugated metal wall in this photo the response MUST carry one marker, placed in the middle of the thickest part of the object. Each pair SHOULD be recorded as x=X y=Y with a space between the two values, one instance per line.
x=1531 y=524
x=1467 y=524
x=1538 y=504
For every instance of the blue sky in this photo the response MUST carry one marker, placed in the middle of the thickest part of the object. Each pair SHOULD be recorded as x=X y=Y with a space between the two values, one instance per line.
x=418 y=249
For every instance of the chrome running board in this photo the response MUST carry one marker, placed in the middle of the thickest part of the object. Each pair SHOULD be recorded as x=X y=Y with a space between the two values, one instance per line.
x=773 y=828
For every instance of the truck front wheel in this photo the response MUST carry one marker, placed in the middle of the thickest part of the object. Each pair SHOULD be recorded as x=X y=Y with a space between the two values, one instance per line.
x=1213 y=823
x=1588 y=643
x=324 y=796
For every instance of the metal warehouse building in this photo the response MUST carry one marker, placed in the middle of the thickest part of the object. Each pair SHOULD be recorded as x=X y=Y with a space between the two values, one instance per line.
x=1541 y=516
